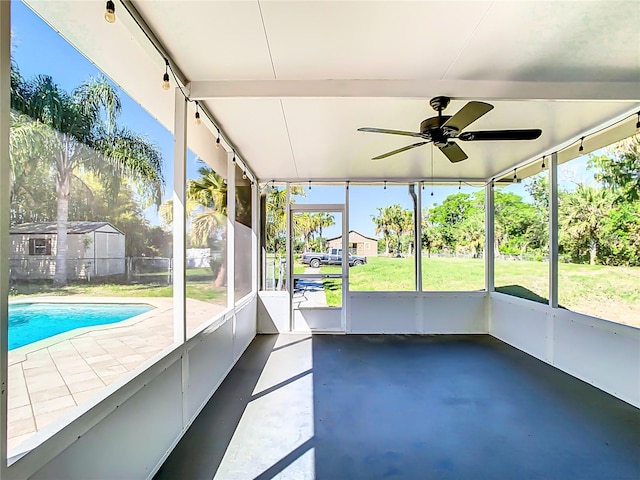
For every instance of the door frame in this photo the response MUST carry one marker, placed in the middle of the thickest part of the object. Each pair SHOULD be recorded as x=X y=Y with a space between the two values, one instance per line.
x=316 y=208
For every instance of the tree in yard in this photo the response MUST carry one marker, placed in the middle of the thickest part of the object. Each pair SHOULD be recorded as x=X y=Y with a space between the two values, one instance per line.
x=323 y=220
x=207 y=199
x=276 y=213
x=619 y=168
x=400 y=222
x=382 y=222
x=305 y=225
x=581 y=216
x=430 y=234
x=82 y=133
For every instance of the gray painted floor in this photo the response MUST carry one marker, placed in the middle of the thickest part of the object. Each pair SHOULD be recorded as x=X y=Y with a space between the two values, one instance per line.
x=400 y=407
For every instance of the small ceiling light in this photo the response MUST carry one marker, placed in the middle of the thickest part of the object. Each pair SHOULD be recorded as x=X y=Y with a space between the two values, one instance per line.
x=198 y=121
x=581 y=148
x=422 y=185
x=543 y=165
x=110 y=12
x=347 y=184
x=432 y=193
x=218 y=139
x=459 y=184
x=244 y=175
x=234 y=157
x=515 y=176
x=165 y=78
x=385 y=184
x=638 y=123
x=309 y=184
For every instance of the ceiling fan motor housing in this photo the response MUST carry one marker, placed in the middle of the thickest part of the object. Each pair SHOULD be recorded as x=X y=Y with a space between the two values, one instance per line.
x=431 y=129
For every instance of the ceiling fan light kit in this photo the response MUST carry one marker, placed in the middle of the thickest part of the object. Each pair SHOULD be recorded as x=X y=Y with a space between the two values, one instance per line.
x=442 y=130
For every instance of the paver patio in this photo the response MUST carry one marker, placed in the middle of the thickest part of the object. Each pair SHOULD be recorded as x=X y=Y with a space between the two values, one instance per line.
x=51 y=377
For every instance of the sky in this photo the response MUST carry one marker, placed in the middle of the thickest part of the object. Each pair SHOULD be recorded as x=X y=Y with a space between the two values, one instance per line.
x=38 y=49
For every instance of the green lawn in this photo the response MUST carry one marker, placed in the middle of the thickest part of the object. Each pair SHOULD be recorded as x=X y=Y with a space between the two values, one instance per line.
x=607 y=292
x=199 y=286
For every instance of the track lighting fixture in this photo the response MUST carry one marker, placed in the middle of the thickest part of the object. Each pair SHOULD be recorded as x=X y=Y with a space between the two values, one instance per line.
x=110 y=12
x=309 y=184
x=385 y=184
x=198 y=121
x=638 y=123
x=515 y=176
x=581 y=148
x=165 y=78
x=218 y=139
x=543 y=165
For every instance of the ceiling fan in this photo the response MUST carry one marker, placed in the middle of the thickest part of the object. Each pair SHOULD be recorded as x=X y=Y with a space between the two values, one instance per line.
x=443 y=129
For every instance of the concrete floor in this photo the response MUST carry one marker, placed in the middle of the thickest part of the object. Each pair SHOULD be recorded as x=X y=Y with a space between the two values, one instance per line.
x=398 y=407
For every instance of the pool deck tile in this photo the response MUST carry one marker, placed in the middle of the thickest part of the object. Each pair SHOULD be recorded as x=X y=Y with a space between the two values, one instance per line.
x=49 y=394
x=48 y=379
x=85 y=385
x=21 y=427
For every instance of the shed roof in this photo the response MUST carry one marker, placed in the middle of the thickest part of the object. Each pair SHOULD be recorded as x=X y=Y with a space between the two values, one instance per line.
x=50 y=228
x=350 y=232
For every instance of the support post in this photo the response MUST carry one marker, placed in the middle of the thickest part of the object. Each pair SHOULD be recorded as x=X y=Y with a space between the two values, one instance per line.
x=345 y=260
x=179 y=242
x=5 y=101
x=417 y=241
x=179 y=215
x=255 y=235
x=553 y=231
x=489 y=238
x=231 y=242
x=289 y=255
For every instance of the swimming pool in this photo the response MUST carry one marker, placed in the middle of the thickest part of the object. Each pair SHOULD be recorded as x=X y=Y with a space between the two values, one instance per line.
x=30 y=322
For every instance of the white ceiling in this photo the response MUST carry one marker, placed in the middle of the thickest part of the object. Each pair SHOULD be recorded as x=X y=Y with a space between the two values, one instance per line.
x=290 y=81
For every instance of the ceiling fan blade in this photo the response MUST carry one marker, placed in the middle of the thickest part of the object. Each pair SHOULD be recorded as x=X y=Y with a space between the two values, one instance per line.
x=453 y=152
x=468 y=114
x=392 y=132
x=530 y=134
x=403 y=149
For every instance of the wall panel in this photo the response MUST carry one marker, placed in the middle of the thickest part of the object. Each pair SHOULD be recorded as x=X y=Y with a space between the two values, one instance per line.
x=210 y=358
x=417 y=312
x=129 y=442
x=245 y=326
x=599 y=352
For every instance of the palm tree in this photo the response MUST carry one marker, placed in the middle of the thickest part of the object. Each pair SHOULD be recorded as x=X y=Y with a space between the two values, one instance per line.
x=323 y=219
x=208 y=194
x=276 y=221
x=82 y=133
x=582 y=214
x=383 y=226
x=305 y=225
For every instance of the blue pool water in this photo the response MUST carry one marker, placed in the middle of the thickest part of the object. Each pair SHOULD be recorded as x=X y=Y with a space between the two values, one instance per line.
x=30 y=322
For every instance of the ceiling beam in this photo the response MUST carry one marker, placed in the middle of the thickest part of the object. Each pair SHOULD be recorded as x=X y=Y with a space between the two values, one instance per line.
x=459 y=89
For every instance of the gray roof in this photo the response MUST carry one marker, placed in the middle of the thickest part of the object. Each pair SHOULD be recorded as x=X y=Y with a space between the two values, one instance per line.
x=51 y=227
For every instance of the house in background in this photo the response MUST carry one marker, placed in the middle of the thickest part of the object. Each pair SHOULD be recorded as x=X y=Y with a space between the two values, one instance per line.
x=358 y=244
x=95 y=249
